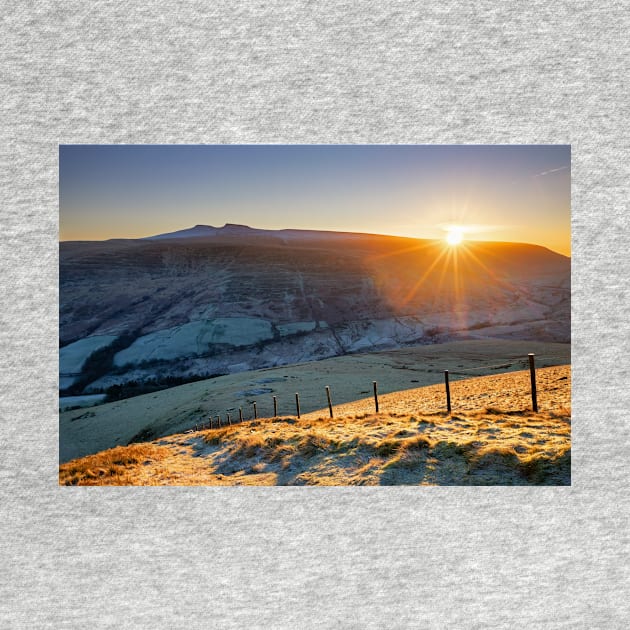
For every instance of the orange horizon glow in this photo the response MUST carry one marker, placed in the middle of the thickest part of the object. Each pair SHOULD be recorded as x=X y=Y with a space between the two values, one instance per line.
x=559 y=243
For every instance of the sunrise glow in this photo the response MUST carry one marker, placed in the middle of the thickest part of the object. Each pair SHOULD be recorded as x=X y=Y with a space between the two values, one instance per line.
x=454 y=236
x=497 y=193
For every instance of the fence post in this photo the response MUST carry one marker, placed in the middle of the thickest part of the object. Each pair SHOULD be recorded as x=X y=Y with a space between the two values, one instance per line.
x=219 y=420
x=297 y=404
x=448 y=391
x=275 y=407
x=532 y=374
x=329 y=403
x=229 y=418
x=375 y=396
x=240 y=414
x=255 y=412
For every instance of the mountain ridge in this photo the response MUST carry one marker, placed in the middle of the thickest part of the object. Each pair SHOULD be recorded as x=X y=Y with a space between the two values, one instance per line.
x=135 y=310
x=201 y=230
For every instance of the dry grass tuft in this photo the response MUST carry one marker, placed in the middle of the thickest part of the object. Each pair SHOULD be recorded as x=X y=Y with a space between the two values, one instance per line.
x=256 y=445
x=417 y=443
x=112 y=467
x=315 y=444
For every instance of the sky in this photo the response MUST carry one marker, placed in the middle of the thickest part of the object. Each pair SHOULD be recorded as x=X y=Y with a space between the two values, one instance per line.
x=516 y=193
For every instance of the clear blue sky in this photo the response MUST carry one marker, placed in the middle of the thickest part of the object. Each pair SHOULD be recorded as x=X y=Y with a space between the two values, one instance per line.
x=513 y=193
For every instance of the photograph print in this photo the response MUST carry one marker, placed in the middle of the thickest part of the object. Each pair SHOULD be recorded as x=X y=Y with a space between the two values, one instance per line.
x=273 y=315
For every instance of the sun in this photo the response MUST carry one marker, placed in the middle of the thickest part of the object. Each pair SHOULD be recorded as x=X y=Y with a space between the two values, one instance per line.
x=454 y=236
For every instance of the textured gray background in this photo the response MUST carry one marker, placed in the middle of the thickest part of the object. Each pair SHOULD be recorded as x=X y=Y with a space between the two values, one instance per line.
x=388 y=72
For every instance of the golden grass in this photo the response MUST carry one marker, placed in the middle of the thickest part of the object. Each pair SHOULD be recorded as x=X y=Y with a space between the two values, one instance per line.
x=113 y=467
x=470 y=448
x=496 y=444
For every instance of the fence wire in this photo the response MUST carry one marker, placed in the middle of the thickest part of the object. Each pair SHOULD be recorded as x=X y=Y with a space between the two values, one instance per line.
x=518 y=362
x=509 y=363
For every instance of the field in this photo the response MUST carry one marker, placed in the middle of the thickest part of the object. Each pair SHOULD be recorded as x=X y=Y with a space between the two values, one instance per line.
x=491 y=438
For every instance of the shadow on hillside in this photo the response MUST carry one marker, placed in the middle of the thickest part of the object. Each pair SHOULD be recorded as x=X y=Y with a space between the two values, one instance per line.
x=320 y=461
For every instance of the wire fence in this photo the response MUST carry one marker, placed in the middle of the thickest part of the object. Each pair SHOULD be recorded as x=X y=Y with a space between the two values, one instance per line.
x=228 y=417
x=513 y=362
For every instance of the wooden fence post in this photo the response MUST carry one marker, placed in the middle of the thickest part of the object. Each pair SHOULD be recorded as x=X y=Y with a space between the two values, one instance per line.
x=532 y=374
x=255 y=412
x=297 y=404
x=275 y=407
x=329 y=402
x=219 y=420
x=448 y=391
x=240 y=414
x=229 y=418
x=375 y=396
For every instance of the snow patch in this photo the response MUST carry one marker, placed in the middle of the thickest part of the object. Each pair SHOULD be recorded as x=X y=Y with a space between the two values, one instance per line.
x=296 y=327
x=72 y=357
x=379 y=334
x=195 y=338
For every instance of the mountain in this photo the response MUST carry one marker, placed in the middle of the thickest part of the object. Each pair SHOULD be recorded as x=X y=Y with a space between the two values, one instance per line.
x=205 y=301
x=194 y=232
x=242 y=231
x=204 y=231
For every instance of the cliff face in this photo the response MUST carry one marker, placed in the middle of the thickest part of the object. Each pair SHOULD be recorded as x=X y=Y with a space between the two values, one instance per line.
x=241 y=299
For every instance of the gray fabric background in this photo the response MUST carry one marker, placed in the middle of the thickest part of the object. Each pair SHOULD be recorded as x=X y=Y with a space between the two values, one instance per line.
x=327 y=72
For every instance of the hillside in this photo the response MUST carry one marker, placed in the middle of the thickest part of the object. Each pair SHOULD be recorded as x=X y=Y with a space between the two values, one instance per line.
x=141 y=313
x=85 y=431
x=412 y=441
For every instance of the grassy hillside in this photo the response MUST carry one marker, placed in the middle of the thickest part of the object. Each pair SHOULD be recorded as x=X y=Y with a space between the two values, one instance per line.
x=409 y=443
x=142 y=418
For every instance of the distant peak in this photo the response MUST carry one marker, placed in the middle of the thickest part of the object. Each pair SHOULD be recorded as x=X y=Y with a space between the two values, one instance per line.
x=235 y=226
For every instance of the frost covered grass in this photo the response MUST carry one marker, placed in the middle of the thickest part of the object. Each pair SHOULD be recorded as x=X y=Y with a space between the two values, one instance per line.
x=350 y=377
x=498 y=444
x=74 y=402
